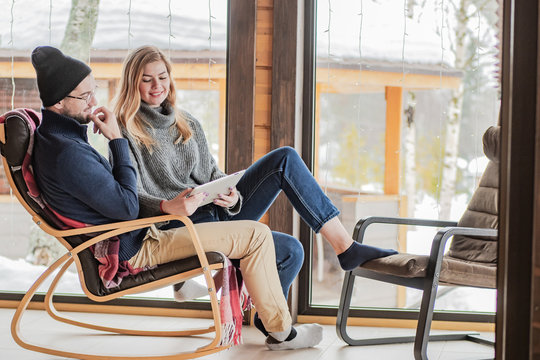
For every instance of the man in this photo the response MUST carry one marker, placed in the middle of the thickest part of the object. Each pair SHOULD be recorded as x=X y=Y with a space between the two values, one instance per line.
x=80 y=184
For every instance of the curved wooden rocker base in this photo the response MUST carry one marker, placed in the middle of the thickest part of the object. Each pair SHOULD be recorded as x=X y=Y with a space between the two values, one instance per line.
x=66 y=260
x=56 y=315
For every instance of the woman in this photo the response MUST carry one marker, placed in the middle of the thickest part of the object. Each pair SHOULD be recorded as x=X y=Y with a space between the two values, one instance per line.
x=172 y=156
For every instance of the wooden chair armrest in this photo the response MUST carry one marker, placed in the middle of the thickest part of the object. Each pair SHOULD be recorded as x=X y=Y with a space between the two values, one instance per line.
x=138 y=223
x=2 y=134
x=126 y=226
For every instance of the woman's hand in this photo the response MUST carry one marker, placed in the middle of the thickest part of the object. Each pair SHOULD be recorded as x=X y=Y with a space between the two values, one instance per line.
x=227 y=201
x=183 y=204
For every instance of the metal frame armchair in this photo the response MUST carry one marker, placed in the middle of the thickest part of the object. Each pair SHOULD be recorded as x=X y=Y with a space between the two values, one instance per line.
x=471 y=260
x=15 y=137
x=429 y=273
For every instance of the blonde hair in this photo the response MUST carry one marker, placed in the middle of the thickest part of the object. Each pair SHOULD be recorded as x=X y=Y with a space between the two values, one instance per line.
x=128 y=98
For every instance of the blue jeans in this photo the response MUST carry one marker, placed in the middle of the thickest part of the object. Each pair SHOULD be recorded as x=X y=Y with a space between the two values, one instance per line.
x=279 y=170
x=283 y=169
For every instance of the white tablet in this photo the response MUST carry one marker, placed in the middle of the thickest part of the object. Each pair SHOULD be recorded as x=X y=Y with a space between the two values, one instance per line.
x=218 y=186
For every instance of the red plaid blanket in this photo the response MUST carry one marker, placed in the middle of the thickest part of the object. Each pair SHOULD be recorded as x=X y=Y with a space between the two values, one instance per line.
x=233 y=302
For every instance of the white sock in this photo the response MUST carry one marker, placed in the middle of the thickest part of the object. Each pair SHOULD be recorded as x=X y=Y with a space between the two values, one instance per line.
x=307 y=335
x=190 y=290
x=281 y=335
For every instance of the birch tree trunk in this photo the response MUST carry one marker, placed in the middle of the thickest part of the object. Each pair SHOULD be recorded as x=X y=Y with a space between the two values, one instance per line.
x=80 y=29
x=453 y=121
x=449 y=170
x=410 y=156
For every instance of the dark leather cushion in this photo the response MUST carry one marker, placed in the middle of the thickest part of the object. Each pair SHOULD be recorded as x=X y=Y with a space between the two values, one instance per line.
x=453 y=271
x=17 y=138
x=95 y=285
x=17 y=133
x=482 y=210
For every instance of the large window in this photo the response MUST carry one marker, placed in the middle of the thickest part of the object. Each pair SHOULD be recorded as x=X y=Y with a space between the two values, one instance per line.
x=192 y=34
x=402 y=95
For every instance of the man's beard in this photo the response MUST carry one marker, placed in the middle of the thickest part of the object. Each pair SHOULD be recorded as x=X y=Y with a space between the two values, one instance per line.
x=80 y=118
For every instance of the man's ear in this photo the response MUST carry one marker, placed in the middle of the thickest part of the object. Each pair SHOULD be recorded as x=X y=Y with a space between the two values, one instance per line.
x=59 y=105
x=57 y=108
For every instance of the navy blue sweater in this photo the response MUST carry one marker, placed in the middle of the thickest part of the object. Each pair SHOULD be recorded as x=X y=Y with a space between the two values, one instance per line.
x=79 y=183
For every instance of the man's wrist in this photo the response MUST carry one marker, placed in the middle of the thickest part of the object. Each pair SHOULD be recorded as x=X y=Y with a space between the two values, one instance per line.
x=114 y=137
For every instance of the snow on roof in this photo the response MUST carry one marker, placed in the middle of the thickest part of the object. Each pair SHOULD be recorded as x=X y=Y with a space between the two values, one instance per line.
x=147 y=22
x=381 y=30
x=363 y=30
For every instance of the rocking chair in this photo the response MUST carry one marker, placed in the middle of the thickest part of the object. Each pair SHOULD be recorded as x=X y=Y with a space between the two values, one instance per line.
x=16 y=140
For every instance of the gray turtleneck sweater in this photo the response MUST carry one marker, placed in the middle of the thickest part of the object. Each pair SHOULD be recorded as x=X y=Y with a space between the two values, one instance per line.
x=170 y=168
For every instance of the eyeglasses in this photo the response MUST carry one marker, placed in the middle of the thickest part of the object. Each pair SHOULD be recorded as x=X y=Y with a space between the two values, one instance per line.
x=87 y=97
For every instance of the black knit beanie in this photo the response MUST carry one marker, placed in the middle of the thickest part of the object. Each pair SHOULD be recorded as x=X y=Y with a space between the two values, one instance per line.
x=57 y=74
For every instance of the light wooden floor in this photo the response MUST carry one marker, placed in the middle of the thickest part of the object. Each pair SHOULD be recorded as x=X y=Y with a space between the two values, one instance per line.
x=39 y=327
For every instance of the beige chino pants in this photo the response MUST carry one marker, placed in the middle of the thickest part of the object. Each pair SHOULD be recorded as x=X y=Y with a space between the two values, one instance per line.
x=249 y=241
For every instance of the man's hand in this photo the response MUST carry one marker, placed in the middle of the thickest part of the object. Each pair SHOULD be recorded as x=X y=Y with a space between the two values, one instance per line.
x=182 y=204
x=227 y=201
x=105 y=123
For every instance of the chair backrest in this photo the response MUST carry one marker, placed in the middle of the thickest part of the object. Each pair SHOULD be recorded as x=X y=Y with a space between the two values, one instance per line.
x=17 y=148
x=483 y=209
x=19 y=127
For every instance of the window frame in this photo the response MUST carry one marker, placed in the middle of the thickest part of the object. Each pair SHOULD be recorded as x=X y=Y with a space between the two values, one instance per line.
x=306 y=238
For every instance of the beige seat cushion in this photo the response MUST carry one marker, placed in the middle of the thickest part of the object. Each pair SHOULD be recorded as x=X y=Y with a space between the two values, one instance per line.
x=453 y=271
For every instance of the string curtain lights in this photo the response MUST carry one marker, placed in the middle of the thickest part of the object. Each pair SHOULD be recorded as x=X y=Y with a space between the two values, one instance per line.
x=12 y=55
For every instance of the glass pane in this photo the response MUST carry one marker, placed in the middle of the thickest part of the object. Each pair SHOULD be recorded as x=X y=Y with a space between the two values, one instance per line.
x=389 y=80
x=192 y=34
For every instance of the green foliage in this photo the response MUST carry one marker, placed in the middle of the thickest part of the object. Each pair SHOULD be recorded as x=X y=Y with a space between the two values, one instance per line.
x=429 y=169
x=428 y=164
x=355 y=165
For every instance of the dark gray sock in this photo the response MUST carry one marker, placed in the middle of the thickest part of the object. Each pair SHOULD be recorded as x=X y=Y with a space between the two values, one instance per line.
x=357 y=254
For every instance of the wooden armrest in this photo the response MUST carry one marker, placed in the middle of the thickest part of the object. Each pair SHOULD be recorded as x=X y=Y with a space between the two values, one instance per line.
x=2 y=134
x=126 y=226
x=138 y=223
x=109 y=230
